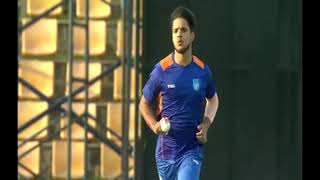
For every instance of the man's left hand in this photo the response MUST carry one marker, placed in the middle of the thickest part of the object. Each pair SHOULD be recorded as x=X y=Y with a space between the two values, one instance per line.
x=203 y=130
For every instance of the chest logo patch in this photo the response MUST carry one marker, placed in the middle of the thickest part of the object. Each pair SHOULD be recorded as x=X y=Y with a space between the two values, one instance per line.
x=171 y=86
x=196 y=84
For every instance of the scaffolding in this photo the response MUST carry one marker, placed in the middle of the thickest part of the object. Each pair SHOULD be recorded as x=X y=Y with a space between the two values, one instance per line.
x=125 y=149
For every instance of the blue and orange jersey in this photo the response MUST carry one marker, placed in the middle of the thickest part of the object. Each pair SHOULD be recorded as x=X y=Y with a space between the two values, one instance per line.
x=180 y=92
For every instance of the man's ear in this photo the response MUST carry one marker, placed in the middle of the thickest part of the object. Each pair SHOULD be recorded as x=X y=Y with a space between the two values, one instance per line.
x=192 y=36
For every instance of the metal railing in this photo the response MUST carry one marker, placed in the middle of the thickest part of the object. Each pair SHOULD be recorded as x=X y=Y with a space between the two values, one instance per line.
x=138 y=144
x=126 y=71
x=60 y=101
x=75 y=118
x=126 y=149
x=42 y=15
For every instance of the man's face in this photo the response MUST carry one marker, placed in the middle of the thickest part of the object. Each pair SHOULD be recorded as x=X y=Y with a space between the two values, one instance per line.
x=182 y=37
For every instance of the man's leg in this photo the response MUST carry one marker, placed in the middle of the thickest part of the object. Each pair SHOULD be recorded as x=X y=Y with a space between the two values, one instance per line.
x=167 y=169
x=190 y=167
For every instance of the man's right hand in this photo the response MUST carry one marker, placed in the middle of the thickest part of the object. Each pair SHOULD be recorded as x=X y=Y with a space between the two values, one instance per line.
x=157 y=129
x=149 y=116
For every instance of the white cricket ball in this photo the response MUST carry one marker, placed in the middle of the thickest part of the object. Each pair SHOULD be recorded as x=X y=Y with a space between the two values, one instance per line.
x=165 y=125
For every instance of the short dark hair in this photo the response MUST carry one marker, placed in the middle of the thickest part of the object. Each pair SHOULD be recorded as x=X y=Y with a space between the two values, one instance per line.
x=182 y=12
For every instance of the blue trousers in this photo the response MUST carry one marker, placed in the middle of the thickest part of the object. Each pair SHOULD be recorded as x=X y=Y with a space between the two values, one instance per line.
x=187 y=167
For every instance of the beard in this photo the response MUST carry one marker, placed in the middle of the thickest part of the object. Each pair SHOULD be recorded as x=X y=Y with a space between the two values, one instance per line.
x=183 y=50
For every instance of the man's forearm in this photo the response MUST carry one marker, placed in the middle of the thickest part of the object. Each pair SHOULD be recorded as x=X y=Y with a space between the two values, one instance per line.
x=211 y=108
x=148 y=114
